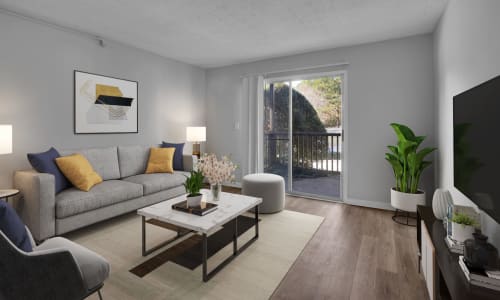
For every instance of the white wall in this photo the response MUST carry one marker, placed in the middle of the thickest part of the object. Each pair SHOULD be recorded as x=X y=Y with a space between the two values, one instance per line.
x=467 y=53
x=36 y=90
x=390 y=81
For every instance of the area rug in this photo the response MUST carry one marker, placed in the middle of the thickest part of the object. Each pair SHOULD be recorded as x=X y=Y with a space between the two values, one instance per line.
x=254 y=274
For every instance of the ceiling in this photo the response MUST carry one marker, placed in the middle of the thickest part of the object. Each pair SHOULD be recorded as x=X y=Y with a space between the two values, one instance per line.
x=223 y=32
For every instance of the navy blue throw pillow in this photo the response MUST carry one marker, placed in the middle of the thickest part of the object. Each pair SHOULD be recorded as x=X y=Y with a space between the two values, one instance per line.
x=12 y=226
x=45 y=162
x=178 y=160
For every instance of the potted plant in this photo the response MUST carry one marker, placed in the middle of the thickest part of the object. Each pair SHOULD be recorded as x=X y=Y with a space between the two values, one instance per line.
x=193 y=185
x=462 y=227
x=407 y=164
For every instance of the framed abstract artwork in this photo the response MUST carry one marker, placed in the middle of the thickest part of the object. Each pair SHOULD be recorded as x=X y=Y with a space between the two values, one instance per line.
x=105 y=104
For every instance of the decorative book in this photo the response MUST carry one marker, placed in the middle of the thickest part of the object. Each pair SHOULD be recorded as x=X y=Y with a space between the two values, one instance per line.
x=478 y=277
x=203 y=209
x=495 y=274
x=454 y=246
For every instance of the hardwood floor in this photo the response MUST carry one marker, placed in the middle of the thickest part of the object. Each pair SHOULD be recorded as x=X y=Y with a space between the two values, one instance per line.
x=357 y=253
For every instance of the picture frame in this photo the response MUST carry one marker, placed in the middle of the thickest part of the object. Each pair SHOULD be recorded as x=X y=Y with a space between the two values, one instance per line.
x=105 y=104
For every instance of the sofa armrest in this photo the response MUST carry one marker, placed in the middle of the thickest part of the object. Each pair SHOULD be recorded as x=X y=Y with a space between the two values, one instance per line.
x=190 y=162
x=37 y=203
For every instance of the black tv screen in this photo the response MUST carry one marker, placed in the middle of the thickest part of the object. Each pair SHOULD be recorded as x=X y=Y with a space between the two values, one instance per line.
x=476 y=134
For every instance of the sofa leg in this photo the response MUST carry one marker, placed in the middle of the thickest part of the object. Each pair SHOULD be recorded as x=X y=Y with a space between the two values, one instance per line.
x=99 y=293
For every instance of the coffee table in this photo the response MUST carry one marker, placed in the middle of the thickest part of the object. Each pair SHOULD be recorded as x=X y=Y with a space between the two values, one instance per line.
x=230 y=206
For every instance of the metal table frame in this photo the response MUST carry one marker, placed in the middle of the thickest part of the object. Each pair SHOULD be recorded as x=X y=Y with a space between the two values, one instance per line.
x=145 y=251
x=207 y=275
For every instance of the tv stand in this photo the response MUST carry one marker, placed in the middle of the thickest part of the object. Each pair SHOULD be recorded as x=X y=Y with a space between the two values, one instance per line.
x=445 y=275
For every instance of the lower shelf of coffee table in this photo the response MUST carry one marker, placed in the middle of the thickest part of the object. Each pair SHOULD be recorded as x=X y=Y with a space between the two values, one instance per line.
x=188 y=253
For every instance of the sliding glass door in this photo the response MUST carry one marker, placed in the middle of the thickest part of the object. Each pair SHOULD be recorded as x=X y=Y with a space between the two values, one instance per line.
x=302 y=138
x=277 y=120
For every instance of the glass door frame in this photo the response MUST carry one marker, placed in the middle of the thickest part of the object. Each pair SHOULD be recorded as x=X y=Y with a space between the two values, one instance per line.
x=343 y=120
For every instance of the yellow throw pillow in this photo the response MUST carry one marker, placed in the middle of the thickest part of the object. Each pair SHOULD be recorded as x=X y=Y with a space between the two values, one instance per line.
x=160 y=160
x=78 y=171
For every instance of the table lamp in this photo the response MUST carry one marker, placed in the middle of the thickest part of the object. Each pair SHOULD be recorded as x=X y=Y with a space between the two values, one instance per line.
x=5 y=139
x=196 y=135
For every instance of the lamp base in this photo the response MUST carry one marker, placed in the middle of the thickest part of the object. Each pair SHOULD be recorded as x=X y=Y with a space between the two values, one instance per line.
x=196 y=149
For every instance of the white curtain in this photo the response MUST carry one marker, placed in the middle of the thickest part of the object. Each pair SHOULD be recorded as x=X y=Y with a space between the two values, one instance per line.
x=252 y=110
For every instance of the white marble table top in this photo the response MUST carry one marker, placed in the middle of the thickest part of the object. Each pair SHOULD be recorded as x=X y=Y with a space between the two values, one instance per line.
x=8 y=193
x=228 y=207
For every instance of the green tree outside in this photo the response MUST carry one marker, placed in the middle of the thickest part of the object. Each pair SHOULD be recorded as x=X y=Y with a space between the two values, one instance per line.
x=328 y=102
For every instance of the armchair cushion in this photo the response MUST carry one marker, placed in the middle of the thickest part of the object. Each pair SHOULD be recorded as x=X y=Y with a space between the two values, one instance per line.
x=12 y=226
x=94 y=268
x=45 y=163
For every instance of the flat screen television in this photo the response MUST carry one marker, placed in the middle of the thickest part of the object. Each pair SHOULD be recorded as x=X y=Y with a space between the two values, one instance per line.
x=476 y=135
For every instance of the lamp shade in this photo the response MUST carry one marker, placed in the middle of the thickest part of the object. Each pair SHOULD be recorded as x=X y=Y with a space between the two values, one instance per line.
x=5 y=139
x=196 y=134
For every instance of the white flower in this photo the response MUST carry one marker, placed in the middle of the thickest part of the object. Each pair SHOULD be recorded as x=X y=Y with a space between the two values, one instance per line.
x=215 y=170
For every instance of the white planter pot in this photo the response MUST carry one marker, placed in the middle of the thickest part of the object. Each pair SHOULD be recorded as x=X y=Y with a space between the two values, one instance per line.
x=460 y=232
x=194 y=200
x=440 y=202
x=405 y=201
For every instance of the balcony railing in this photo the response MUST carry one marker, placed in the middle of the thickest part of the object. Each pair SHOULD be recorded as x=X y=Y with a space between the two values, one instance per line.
x=313 y=153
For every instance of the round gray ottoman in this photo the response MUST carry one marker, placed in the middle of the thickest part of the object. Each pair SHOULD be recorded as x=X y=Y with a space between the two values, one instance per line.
x=269 y=187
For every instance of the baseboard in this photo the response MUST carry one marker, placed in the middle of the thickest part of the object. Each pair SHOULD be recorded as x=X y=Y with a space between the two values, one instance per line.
x=350 y=201
x=371 y=204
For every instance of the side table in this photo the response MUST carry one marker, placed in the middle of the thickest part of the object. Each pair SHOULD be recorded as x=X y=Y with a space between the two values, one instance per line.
x=5 y=194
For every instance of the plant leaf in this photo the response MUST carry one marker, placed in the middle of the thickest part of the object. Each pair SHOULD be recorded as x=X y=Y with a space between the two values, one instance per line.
x=403 y=132
x=424 y=152
x=419 y=139
x=393 y=149
x=425 y=164
x=395 y=163
x=405 y=147
x=413 y=163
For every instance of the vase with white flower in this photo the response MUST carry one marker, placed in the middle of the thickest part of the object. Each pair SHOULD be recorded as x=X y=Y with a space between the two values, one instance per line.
x=216 y=171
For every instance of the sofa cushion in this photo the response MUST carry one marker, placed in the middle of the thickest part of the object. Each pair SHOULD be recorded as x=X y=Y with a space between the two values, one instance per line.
x=45 y=163
x=178 y=154
x=132 y=160
x=157 y=182
x=103 y=160
x=72 y=201
x=94 y=268
x=160 y=160
x=78 y=171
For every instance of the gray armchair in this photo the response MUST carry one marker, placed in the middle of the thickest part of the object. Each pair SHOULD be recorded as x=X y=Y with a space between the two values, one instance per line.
x=56 y=269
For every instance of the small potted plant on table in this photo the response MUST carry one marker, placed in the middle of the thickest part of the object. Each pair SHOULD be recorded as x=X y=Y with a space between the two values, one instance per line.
x=193 y=185
x=462 y=227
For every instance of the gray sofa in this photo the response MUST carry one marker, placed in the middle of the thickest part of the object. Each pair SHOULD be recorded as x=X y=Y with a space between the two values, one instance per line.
x=125 y=188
